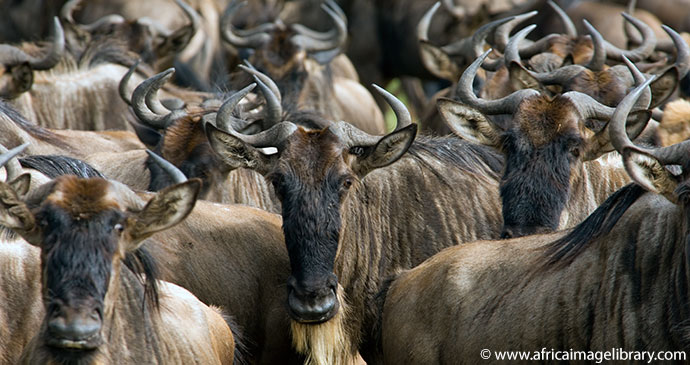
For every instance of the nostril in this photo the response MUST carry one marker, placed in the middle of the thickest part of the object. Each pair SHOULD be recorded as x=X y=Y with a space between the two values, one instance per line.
x=507 y=233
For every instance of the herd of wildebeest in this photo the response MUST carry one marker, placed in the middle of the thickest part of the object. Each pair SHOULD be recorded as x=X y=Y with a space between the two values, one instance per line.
x=209 y=181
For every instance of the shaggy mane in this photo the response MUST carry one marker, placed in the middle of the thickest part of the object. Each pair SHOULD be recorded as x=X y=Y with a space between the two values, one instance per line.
x=564 y=250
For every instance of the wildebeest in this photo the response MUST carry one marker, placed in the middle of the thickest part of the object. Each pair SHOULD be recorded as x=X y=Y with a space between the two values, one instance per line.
x=300 y=62
x=230 y=256
x=349 y=221
x=617 y=280
x=178 y=136
x=93 y=303
x=556 y=170
x=20 y=291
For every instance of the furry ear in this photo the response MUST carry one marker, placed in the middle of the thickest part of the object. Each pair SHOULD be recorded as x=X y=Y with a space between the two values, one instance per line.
x=664 y=86
x=236 y=153
x=438 y=62
x=176 y=42
x=468 y=123
x=21 y=185
x=600 y=143
x=15 y=215
x=167 y=208
x=21 y=78
x=386 y=151
x=649 y=173
x=521 y=79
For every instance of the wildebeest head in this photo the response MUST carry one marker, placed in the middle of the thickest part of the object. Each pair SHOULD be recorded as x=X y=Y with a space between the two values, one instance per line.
x=288 y=54
x=84 y=228
x=607 y=85
x=545 y=144
x=16 y=76
x=178 y=134
x=655 y=169
x=313 y=173
x=156 y=44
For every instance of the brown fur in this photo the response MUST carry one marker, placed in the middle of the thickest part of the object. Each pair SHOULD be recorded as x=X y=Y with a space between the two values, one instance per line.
x=307 y=85
x=381 y=233
x=631 y=281
x=20 y=287
x=675 y=124
x=183 y=330
x=542 y=119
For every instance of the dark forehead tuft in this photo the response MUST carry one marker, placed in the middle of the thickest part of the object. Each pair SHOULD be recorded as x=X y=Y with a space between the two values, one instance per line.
x=82 y=198
x=542 y=119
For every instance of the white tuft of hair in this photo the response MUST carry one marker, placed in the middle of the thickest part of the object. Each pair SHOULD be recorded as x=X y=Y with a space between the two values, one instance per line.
x=328 y=342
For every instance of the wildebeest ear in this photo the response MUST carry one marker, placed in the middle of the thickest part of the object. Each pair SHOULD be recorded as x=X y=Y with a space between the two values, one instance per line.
x=386 y=151
x=649 y=173
x=175 y=42
x=147 y=135
x=664 y=86
x=15 y=215
x=21 y=80
x=325 y=57
x=237 y=153
x=21 y=185
x=520 y=78
x=438 y=62
x=167 y=208
x=600 y=142
x=468 y=123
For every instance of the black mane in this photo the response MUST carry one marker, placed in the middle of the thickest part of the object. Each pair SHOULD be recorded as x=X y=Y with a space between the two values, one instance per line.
x=564 y=250
x=459 y=154
x=56 y=165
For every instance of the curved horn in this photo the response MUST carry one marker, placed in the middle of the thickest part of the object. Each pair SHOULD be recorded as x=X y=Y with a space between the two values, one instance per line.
x=568 y=24
x=143 y=95
x=191 y=14
x=682 y=51
x=502 y=34
x=69 y=8
x=323 y=36
x=13 y=167
x=633 y=37
x=425 y=22
x=457 y=11
x=512 y=52
x=10 y=55
x=249 y=68
x=122 y=86
x=273 y=137
x=598 y=60
x=176 y=175
x=505 y=105
x=253 y=40
x=315 y=45
x=473 y=46
x=274 y=111
x=224 y=116
x=675 y=154
x=639 y=53
x=402 y=115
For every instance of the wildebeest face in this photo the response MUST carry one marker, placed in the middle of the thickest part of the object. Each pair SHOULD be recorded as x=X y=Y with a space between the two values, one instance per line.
x=541 y=147
x=544 y=144
x=311 y=179
x=84 y=228
x=79 y=255
x=312 y=174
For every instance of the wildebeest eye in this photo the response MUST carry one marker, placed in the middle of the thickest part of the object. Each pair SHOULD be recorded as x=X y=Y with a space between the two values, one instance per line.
x=357 y=151
x=118 y=228
x=347 y=183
